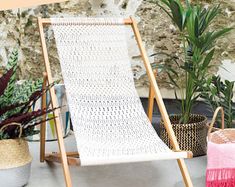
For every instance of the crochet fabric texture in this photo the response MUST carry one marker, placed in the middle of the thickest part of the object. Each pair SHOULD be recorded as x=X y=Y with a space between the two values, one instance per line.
x=109 y=122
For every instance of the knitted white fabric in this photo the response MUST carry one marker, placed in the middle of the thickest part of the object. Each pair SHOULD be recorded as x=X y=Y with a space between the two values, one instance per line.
x=109 y=122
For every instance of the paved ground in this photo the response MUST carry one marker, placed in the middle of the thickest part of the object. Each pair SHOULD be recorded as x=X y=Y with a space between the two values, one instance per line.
x=147 y=174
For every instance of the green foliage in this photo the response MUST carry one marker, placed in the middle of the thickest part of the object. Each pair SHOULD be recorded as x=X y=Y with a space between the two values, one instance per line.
x=219 y=93
x=24 y=90
x=15 y=93
x=16 y=101
x=192 y=21
x=5 y=99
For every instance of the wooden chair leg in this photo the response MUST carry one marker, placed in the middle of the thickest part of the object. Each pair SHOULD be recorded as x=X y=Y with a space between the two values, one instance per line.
x=54 y=101
x=62 y=152
x=43 y=125
x=162 y=108
x=185 y=173
x=151 y=101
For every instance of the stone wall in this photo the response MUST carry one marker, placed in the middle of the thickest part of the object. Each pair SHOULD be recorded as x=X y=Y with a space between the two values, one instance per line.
x=18 y=28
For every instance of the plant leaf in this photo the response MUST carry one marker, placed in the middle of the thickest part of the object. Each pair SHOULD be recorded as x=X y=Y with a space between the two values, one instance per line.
x=208 y=58
x=4 y=80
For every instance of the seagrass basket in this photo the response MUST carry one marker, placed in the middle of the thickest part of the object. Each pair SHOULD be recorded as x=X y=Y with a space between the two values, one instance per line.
x=220 y=136
x=191 y=136
x=15 y=162
x=220 y=154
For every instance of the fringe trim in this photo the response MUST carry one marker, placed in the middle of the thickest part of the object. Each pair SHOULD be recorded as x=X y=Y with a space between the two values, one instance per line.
x=224 y=177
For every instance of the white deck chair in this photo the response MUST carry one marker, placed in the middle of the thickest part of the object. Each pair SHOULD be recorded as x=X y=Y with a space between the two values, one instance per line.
x=110 y=125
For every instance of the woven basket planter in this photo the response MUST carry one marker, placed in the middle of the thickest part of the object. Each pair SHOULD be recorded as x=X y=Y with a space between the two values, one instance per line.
x=191 y=136
x=15 y=162
x=220 y=154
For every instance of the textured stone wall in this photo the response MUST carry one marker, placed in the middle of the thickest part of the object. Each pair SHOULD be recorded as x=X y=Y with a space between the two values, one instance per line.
x=18 y=28
x=160 y=35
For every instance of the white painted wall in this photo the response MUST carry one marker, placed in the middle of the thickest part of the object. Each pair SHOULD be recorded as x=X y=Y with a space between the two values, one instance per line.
x=227 y=70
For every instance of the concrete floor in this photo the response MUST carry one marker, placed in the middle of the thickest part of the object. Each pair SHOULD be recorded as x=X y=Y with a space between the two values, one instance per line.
x=145 y=174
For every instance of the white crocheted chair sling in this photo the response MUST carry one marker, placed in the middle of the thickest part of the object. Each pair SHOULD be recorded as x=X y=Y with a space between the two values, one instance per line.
x=109 y=122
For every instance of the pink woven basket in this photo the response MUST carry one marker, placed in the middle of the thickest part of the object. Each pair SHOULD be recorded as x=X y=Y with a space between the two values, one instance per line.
x=220 y=155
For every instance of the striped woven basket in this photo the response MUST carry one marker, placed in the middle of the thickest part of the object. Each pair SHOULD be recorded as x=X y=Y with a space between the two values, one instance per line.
x=15 y=162
x=191 y=136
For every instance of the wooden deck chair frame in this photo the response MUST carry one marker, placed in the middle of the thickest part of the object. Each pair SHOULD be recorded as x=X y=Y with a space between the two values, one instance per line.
x=71 y=158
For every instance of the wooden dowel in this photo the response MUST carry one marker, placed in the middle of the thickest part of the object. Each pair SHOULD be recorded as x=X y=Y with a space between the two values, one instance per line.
x=71 y=154
x=43 y=125
x=46 y=21
x=57 y=158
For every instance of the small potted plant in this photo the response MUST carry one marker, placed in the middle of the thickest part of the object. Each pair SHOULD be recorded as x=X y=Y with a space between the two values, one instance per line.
x=216 y=93
x=17 y=121
x=198 y=47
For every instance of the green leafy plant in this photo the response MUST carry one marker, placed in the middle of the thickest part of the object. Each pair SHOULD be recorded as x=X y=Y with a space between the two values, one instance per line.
x=14 y=92
x=16 y=117
x=25 y=119
x=192 y=21
x=5 y=99
x=219 y=93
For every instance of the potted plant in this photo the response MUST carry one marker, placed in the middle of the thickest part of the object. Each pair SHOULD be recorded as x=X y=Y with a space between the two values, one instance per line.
x=17 y=121
x=192 y=21
x=217 y=92
x=17 y=91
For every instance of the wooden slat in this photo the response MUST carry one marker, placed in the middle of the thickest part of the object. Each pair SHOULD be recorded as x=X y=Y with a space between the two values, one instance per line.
x=57 y=158
x=43 y=125
x=46 y=21
x=190 y=154
x=162 y=108
x=71 y=154
x=55 y=105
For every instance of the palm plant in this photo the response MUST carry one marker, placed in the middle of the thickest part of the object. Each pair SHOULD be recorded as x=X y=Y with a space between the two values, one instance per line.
x=193 y=22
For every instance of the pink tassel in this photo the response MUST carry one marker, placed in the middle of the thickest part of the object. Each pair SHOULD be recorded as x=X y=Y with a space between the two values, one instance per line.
x=223 y=177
